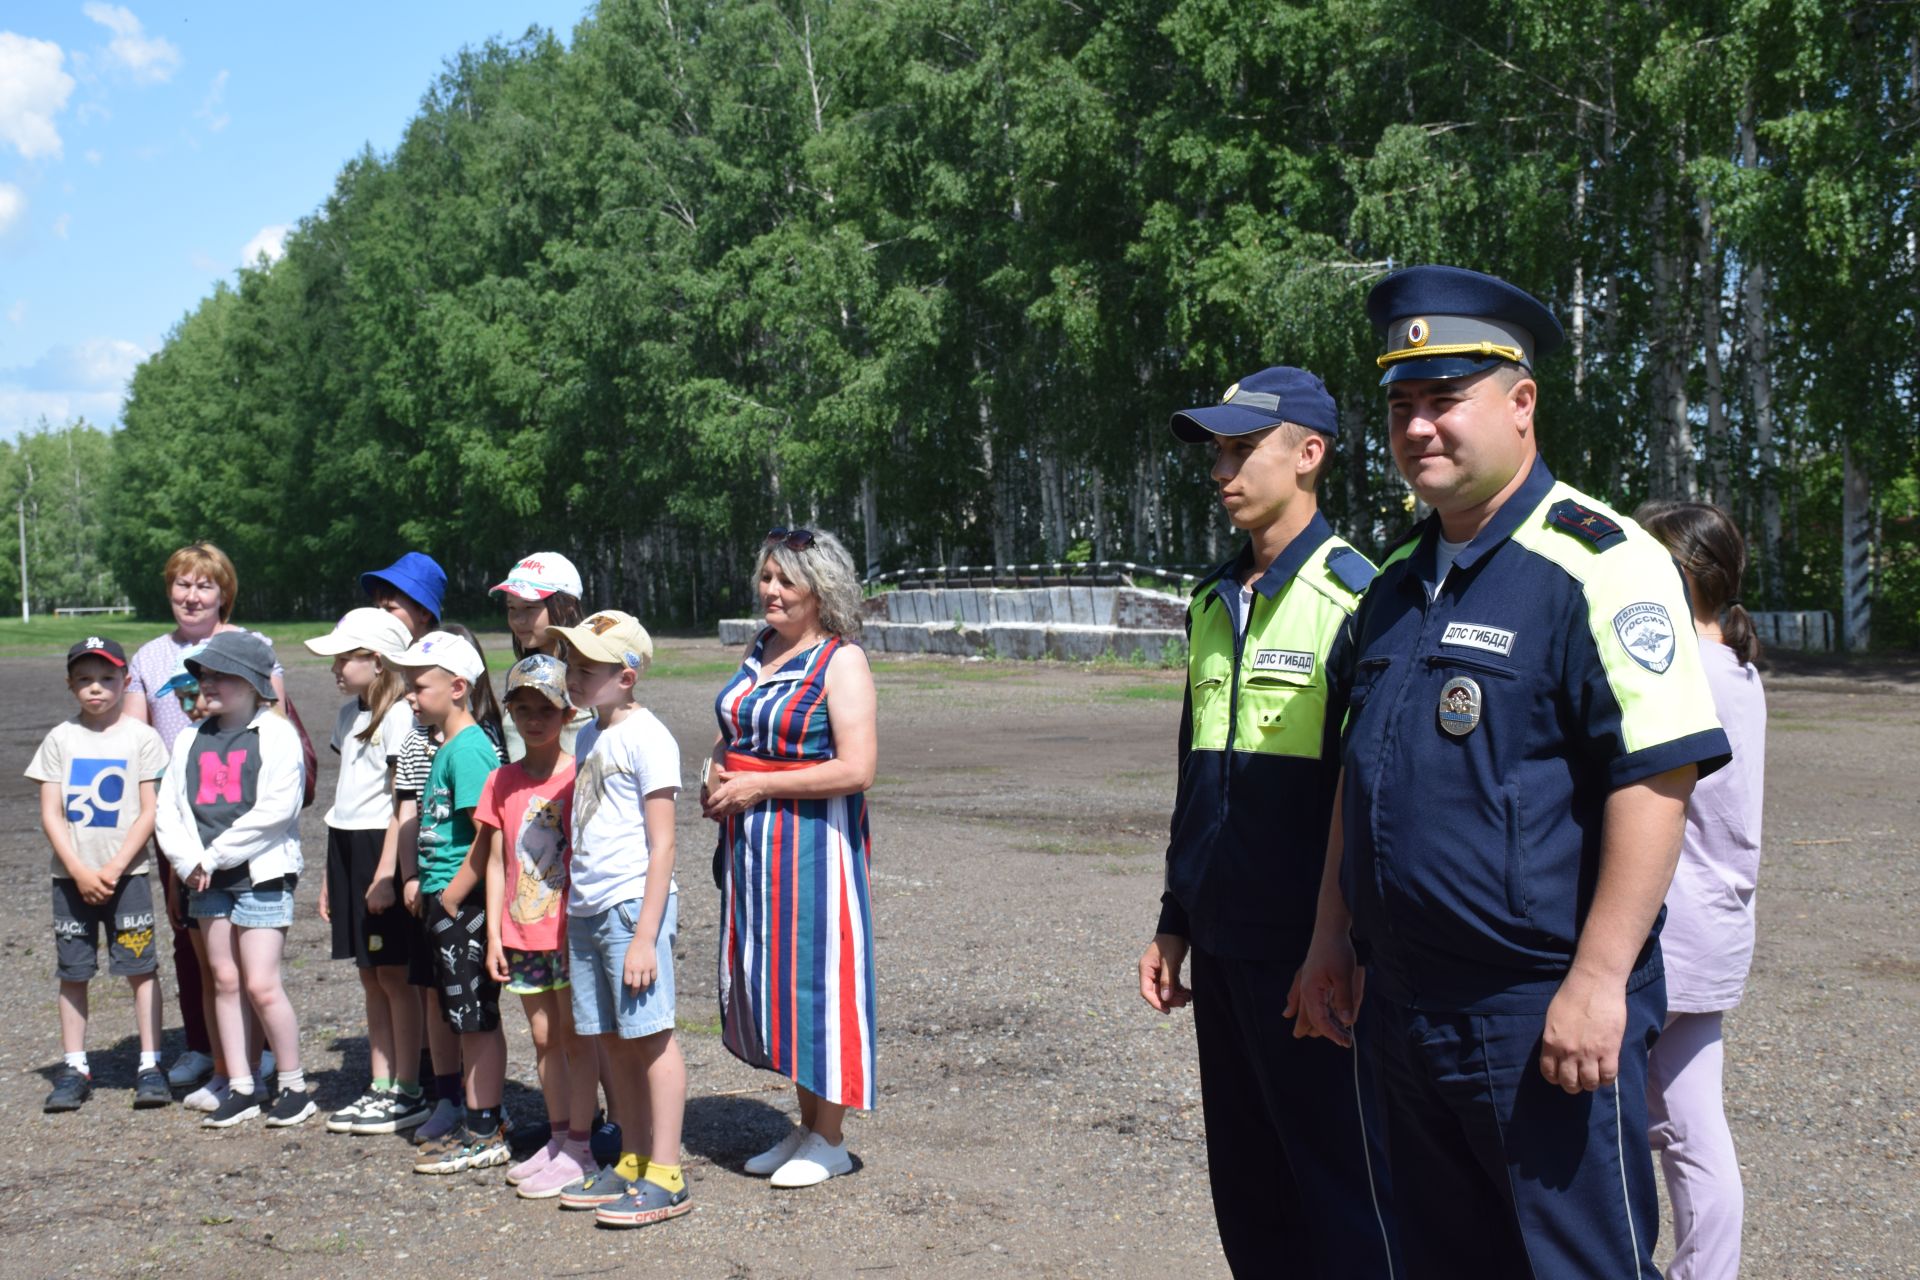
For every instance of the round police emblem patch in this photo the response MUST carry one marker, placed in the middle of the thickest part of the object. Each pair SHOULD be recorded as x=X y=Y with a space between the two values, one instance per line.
x=1646 y=633
x=1417 y=333
x=1460 y=706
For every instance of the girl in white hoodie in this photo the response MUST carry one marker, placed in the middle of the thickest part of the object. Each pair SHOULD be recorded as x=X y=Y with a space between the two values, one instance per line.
x=229 y=821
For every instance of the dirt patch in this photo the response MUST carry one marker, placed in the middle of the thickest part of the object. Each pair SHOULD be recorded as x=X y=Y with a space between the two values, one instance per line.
x=1035 y=1119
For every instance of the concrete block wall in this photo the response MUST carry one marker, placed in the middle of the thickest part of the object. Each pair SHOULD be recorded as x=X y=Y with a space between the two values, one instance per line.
x=1070 y=624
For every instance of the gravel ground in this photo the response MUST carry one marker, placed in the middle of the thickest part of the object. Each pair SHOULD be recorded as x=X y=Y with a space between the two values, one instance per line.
x=1035 y=1118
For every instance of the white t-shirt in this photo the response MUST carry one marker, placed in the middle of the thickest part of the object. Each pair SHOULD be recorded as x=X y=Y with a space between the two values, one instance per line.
x=361 y=798
x=618 y=768
x=99 y=772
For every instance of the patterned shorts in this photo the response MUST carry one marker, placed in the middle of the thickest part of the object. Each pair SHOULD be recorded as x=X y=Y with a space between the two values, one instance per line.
x=469 y=997
x=531 y=972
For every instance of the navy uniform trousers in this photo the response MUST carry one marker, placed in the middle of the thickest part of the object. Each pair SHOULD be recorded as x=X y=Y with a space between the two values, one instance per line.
x=1500 y=1175
x=1300 y=1184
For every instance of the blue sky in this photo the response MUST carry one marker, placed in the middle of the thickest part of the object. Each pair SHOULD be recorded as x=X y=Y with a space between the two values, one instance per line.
x=148 y=149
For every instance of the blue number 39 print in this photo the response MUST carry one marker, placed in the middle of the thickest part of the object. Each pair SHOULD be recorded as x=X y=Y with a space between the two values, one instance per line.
x=95 y=790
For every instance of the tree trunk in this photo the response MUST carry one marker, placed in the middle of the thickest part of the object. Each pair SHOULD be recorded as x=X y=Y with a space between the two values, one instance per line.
x=1759 y=371
x=870 y=524
x=1719 y=461
x=1856 y=550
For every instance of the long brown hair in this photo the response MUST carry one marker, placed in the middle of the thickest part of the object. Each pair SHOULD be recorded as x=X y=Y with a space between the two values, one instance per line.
x=1709 y=548
x=387 y=689
x=563 y=610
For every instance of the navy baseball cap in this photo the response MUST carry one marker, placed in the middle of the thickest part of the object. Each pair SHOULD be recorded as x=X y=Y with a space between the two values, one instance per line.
x=1449 y=322
x=98 y=647
x=1258 y=401
x=415 y=574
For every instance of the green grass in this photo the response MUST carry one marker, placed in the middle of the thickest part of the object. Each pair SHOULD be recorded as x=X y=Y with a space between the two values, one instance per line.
x=51 y=637
x=1162 y=692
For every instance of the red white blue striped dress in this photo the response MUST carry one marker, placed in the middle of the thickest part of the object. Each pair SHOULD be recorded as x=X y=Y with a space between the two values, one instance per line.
x=796 y=940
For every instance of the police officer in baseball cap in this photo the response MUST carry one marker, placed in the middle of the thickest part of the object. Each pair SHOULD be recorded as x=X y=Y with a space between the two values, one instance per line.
x=1523 y=731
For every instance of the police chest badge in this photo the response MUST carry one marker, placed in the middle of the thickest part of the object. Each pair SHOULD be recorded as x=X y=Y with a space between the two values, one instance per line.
x=1460 y=706
x=1646 y=633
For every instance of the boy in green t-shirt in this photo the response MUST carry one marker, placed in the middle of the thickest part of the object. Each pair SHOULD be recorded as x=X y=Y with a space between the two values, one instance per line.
x=442 y=671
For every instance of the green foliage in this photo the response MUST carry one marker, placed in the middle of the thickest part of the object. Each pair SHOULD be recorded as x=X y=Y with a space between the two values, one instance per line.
x=55 y=478
x=933 y=275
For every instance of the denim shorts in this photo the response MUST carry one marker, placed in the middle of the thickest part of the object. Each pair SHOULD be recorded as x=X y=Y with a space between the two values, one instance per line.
x=247 y=906
x=596 y=955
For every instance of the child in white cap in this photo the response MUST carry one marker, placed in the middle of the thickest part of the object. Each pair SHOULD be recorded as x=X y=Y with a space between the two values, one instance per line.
x=358 y=897
x=543 y=591
x=442 y=672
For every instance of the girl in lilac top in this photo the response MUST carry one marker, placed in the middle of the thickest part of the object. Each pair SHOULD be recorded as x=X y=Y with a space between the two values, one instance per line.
x=1708 y=938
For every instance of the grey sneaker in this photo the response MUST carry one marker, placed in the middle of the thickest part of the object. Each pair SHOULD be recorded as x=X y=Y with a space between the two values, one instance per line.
x=447 y=1116
x=150 y=1090
x=392 y=1113
x=71 y=1088
x=189 y=1069
x=343 y=1120
x=595 y=1188
x=646 y=1204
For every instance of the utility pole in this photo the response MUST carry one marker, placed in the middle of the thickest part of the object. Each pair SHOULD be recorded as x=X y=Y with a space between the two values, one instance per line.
x=23 y=543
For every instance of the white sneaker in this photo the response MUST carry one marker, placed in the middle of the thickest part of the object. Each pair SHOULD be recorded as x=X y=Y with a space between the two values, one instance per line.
x=775 y=1156
x=815 y=1162
x=190 y=1068
x=205 y=1098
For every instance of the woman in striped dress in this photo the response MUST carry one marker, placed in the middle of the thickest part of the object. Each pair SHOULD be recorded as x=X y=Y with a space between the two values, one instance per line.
x=795 y=754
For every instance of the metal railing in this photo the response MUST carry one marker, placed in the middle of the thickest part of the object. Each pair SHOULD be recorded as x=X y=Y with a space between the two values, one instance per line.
x=72 y=610
x=1055 y=573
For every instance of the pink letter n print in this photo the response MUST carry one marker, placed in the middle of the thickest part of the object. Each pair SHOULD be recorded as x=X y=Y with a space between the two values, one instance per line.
x=220 y=779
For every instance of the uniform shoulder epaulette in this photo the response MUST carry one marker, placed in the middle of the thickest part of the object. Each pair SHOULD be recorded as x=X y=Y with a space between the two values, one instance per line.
x=1354 y=570
x=1569 y=517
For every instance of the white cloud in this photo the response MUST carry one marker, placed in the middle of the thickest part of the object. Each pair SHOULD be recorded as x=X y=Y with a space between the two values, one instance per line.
x=13 y=203
x=86 y=380
x=92 y=157
x=211 y=105
x=61 y=223
x=268 y=242
x=148 y=59
x=33 y=90
x=17 y=313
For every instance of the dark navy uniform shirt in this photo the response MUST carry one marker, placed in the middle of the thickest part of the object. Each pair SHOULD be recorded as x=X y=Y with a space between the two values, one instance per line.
x=1472 y=846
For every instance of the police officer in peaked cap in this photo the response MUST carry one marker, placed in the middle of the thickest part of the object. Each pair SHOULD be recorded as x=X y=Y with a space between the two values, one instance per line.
x=1292 y=1151
x=1525 y=722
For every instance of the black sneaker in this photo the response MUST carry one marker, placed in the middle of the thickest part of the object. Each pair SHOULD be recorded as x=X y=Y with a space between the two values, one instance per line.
x=290 y=1108
x=150 y=1089
x=392 y=1113
x=237 y=1107
x=343 y=1120
x=71 y=1088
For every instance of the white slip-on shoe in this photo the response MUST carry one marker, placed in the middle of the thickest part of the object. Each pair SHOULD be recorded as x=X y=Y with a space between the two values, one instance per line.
x=776 y=1155
x=815 y=1162
x=205 y=1098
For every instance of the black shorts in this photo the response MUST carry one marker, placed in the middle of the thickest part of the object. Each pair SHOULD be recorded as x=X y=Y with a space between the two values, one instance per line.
x=369 y=940
x=128 y=916
x=457 y=948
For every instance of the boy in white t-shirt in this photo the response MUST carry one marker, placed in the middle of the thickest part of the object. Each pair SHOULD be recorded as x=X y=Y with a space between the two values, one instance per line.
x=99 y=776
x=622 y=915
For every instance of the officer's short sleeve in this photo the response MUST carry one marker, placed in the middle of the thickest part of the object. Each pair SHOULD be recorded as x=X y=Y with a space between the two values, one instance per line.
x=1642 y=702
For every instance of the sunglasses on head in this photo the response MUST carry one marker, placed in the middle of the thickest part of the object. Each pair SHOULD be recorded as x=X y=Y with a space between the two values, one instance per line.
x=791 y=539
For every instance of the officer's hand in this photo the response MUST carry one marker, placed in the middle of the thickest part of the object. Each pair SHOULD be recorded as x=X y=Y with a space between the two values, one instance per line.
x=1580 y=1047
x=1327 y=990
x=1160 y=973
